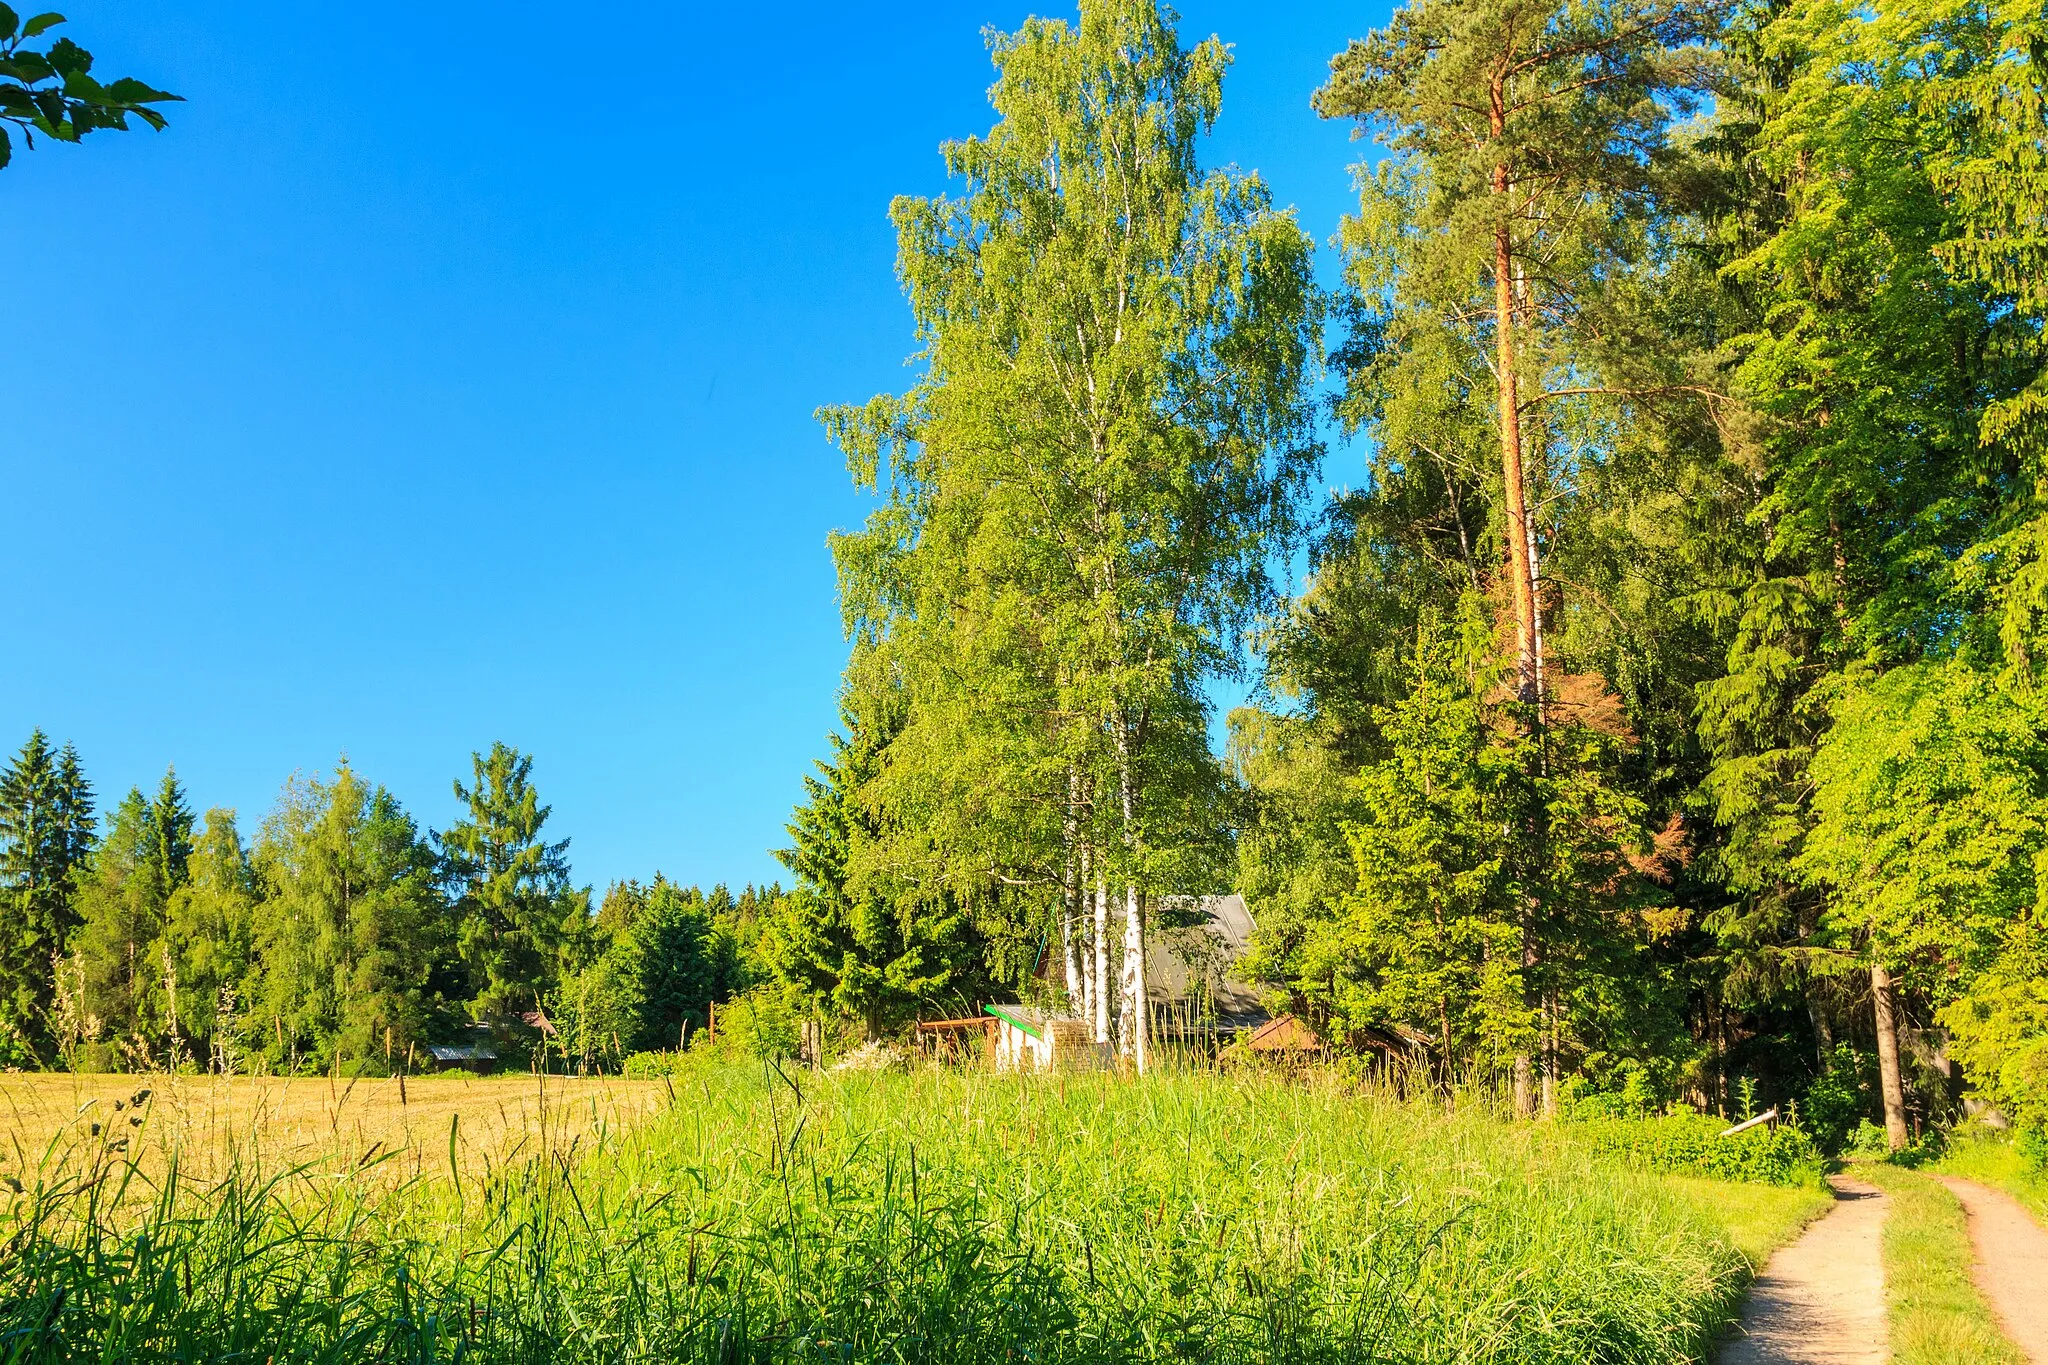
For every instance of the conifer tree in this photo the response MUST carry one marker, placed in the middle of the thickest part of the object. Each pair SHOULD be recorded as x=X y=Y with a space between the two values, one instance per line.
x=873 y=955
x=43 y=801
x=514 y=906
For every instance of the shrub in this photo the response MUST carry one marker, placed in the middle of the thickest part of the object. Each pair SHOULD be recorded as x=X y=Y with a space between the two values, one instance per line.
x=1691 y=1144
x=1839 y=1098
x=652 y=1066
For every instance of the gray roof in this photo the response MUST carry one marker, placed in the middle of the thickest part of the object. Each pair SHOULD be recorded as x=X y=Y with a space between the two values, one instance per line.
x=1201 y=959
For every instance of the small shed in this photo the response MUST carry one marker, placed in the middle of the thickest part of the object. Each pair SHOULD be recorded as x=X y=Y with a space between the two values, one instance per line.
x=1029 y=1039
x=477 y=1057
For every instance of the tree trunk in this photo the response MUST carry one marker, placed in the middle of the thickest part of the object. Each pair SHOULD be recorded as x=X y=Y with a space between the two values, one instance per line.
x=1070 y=900
x=1099 y=990
x=1550 y=1055
x=1522 y=593
x=1525 y=1067
x=1137 y=1014
x=1888 y=1056
x=1135 y=1035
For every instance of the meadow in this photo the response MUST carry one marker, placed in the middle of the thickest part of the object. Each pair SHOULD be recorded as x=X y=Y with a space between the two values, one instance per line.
x=935 y=1216
x=214 y=1124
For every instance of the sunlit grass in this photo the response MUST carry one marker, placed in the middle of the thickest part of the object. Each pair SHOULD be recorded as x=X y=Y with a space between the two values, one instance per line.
x=1937 y=1315
x=1996 y=1162
x=929 y=1217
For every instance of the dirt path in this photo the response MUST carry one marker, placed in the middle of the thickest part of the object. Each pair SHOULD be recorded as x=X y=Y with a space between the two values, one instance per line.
x=1820 y=1301
x=2012 y=1263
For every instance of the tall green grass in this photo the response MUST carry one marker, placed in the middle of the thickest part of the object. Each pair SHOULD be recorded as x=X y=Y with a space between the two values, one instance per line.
x=934 y=1217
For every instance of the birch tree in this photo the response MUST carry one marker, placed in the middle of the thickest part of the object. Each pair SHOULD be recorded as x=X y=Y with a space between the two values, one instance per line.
x=1110 y=439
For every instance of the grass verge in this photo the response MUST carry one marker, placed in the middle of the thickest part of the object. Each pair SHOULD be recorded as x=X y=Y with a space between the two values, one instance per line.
x=1994 y=1161
x=934 y=1217
x=1937 y=1315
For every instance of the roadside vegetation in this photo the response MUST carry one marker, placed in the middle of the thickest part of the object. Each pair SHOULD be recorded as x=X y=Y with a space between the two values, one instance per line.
x=1938 y=1316
x=1998 y=1161
x=935 y=1215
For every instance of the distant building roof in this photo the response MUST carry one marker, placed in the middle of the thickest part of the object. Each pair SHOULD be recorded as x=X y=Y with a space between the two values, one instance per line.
x=1201 y=959
x=476 y=1052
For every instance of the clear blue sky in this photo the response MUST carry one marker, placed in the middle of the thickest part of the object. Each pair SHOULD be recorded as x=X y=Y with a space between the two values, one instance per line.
x=445 y=374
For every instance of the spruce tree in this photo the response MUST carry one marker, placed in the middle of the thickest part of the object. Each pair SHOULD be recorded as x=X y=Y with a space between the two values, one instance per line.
x=40 y=846
x=514 y=906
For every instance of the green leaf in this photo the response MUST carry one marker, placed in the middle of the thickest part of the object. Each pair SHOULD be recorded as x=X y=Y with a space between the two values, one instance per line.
x=41 y=24
x=128 y=90
x=9 y=22
x=6 y=147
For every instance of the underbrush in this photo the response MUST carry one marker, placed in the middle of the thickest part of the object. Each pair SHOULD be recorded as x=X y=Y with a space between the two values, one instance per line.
x=2002 y=1161
x=1691 y=1144
x=931 y=1217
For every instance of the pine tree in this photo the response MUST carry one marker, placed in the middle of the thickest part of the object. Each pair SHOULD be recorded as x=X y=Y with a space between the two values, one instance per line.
x=42 y=796
x=511 y=890
x=873 y=955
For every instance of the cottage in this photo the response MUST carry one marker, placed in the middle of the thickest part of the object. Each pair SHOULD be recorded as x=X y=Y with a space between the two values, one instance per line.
x=1029 y=1039
x=1191 y=962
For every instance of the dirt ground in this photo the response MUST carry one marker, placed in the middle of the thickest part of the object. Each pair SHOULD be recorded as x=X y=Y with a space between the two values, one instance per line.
x=2012 y=1263
x=210 y=1120
x=1820 y=1301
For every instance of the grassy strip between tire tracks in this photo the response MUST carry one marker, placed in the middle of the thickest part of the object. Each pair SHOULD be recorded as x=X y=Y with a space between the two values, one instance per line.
x=1938 y=1317
x=933 y=1217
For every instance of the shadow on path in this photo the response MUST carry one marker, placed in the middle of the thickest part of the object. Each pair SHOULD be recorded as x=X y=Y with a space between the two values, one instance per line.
x=1820 y=1301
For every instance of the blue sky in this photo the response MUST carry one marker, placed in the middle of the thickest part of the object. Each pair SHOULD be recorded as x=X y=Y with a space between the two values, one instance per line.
x=445 y=374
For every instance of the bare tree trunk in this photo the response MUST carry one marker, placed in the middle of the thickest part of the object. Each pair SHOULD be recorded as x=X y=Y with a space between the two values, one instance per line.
x=1099 y=991
x=1550 y=1055
x=1888 y=1056
x=1521 y=590
x=1135 y=1039
x=1525 y=1065
x=1070 y=898
x=1137 y=1019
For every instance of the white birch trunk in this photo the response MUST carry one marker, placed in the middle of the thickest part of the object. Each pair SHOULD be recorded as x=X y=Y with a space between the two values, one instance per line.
x=1099 y=991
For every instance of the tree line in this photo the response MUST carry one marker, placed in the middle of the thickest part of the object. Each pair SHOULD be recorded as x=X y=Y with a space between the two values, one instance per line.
x=339 y=936
x=1663 y=708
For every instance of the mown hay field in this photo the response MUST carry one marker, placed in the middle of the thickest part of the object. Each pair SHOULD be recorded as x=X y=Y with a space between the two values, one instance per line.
x=216 y=1123
x=935 y=1216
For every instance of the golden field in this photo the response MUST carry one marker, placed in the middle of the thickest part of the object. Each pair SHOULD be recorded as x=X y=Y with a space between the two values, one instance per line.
x=479 y=1122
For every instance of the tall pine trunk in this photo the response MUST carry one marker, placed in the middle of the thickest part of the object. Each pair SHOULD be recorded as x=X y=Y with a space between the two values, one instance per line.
x=1893 y=1083
x=1521 y=590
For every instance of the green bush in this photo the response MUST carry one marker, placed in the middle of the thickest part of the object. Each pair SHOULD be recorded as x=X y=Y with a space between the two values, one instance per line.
x=1839 y=1098
x=652 y=1066
x=764 y=1022
x=1691 y=1144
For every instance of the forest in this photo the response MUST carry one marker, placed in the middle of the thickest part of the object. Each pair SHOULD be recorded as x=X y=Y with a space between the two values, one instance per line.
x=1659 y=712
